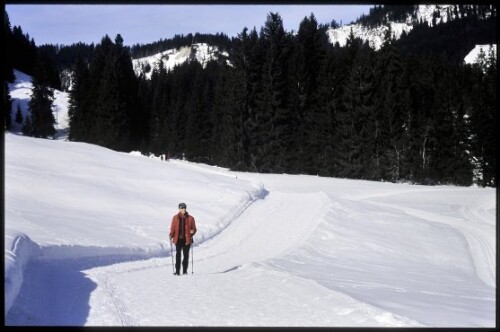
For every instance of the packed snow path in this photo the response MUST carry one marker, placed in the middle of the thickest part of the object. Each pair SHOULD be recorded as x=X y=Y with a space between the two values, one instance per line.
x=230 y=283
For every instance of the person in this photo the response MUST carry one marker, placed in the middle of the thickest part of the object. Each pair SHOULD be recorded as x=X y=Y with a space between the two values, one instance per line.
x=182 y=230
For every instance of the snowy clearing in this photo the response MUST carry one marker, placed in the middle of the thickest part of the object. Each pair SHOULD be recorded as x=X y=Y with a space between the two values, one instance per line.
x=86 y=244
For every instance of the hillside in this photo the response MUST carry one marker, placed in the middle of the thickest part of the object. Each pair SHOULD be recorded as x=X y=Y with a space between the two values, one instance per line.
x=86 y=245
x=201 y=52
x=441 y=22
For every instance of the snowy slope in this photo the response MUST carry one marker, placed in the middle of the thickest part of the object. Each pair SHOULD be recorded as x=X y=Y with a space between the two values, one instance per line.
x=20 y=94
x=200 y=52
x=473 y=56
x=86 y=244
x=375 y=36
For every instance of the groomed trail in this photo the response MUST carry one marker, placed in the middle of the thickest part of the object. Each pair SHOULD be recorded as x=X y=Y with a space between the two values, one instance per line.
x=232 y=280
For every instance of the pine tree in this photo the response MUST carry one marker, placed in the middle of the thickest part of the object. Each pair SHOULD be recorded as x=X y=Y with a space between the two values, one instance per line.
x=78 y=109
x=116 y=96
x=7 y=106
x=40 y=105
x=228 y=112
x=19 y=115
x=159 y=110
x=251 y=55
x=273 y=111
x=483 y=121
x=8 y=61
x=390 y=104
x=313 y=113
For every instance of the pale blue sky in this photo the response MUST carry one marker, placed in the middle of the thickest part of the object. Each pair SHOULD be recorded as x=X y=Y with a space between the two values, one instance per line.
x=67 y=24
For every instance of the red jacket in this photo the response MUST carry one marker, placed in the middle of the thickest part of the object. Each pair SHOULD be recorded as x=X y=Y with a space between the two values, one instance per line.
x=189 y=224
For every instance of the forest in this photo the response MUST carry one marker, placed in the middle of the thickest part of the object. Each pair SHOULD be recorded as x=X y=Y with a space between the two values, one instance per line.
x=294 y=103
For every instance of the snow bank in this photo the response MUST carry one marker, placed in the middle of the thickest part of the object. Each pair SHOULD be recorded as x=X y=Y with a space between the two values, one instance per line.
x=19 y=250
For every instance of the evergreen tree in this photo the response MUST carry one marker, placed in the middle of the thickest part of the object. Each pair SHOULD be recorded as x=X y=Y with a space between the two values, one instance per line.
x=8 y=72
x=24 y=52
x=314 y=116
x=116 y=98
x=159 y=110
x=228 y=112
x=391 y=103
x=7 y=106
x=27 y=128
x=346 y=137
x=483 y=121
x=197 y=113
x=19 y=115
x=8 y=61
x=78 y=109
x=40 y=104
x=250 y=55
x=273 y=111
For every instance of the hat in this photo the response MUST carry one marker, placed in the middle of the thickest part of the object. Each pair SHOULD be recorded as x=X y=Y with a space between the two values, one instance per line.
x=182 y=205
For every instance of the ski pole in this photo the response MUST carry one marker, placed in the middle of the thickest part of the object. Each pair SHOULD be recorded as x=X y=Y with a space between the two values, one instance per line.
x=172 y=255
x=192 y=256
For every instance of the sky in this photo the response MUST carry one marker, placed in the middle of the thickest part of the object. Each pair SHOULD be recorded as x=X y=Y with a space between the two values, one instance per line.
x=68 y=24
x=86 y=243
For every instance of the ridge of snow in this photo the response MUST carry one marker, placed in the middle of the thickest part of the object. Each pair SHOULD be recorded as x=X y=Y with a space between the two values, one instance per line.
x=19 y=250
x=375 y=36
x=201 y=52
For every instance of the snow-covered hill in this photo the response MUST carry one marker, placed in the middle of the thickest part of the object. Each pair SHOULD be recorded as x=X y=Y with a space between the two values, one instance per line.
x=200 y=52
x=376 y=36
x=20 y=93
x=474 y=55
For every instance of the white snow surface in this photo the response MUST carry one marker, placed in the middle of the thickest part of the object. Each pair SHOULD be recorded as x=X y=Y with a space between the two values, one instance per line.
x=200 y=52
x=473 y=56
x=20 y=94
x=86 y=244
x=376 y=36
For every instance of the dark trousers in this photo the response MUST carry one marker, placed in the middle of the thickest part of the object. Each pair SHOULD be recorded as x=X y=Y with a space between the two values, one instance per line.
x=181 y=246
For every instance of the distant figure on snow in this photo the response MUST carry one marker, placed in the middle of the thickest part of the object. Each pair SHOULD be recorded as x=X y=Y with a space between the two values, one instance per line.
x=182 y=230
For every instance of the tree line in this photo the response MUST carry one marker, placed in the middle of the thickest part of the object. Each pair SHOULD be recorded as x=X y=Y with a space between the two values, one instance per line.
x=294 y=103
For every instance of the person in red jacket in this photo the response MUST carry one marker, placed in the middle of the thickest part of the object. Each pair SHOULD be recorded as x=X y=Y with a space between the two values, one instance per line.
x=182 y=230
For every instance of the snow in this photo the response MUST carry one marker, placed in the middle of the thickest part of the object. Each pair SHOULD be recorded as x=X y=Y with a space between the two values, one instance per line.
x=375 y=36
x=473 y=55
x=200 y=52
x=20 y=93
x=86 y=244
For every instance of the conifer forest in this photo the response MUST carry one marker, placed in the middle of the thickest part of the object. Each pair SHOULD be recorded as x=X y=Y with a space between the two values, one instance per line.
x=288 y=102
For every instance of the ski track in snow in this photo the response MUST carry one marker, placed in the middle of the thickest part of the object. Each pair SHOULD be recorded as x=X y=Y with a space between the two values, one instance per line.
x=236 y=258
x=240 y=256
x=241 y=249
